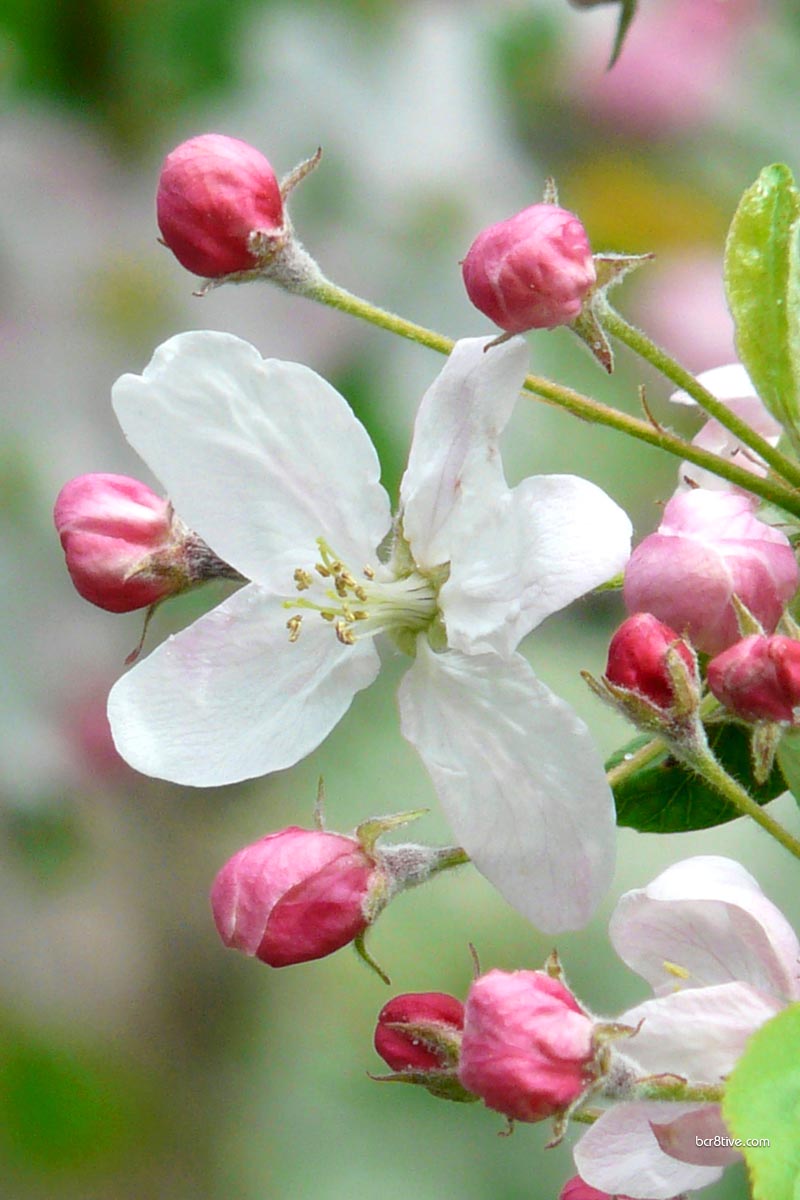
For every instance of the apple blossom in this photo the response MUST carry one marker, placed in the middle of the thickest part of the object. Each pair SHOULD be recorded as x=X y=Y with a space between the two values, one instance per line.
x=214 y=193
x=269 y=463
x=722 y=960
x=637 y=658
x=531 y=271
x=528 y=1047
x=758 y=678
x=710 y=547
x=732 y=385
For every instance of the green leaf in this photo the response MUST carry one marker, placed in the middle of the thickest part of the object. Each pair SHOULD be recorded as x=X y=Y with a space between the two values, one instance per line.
x=763 y=289
x=666 y=797
x=762 y=1103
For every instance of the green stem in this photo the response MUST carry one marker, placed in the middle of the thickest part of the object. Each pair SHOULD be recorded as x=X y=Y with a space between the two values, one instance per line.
x=706 y=765
x=449 y=857
x=642 y=345
x=772 y=490
x=677 y=1090
x=652 y=749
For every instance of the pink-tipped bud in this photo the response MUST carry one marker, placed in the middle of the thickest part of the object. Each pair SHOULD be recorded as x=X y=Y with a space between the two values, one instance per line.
x=429 y=1042
x=214 y=193
x=123 y=545
x=532 y=271
x=637 y=658
x=295 y=895
x=527 y=1048
x=758 y=678
x=577 y=1189
x=710 y=547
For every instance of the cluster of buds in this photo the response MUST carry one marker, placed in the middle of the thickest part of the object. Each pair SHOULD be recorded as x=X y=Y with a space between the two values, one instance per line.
x=125 y=547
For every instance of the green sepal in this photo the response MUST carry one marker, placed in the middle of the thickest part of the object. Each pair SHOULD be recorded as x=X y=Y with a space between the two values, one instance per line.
x=442 y=1084
x=762 y=1102
x=666 y=797
x=762 y=261
x=626 y=15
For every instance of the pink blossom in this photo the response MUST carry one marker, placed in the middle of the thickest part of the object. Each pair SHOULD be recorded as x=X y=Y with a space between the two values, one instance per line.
x=758 y=678
x=121 y=541
x=294 y=896
x=527 y=1048
x=441 y=1015
x=722 y=960
x=213 y=194
x=531 y=271
x=637 y=658
x=709 y=547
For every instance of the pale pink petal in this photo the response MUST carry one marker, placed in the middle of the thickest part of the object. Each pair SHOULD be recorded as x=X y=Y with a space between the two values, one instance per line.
x=703 y=921
x=699 y=1033
x=620 y=1154
x=519 y=779
x=231 y=698
x=259 y=457
x=730 y=382
x=679 y=1138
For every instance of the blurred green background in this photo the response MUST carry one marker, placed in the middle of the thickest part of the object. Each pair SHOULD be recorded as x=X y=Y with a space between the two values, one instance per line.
x=138 y=1058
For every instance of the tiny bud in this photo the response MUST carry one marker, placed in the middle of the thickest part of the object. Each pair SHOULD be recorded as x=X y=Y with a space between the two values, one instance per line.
x=215 y=193
x=532 y=271
x=124 y=547
x=710 y=547
x=528 y=1049
x=296 y=895
x=638 y=659
x=430 y=1042
x=758 y=678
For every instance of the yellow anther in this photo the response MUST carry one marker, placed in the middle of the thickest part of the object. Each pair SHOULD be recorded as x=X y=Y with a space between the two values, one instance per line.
x=322 y=570
x=360 y=615
x=369 y=573
x=360 y=593
x=674 y=969
x=336 y=567
x=293 y=625
x=302 y=579
x=327 y=615
x=344 y=634
x=340 y=585
x=347 y=579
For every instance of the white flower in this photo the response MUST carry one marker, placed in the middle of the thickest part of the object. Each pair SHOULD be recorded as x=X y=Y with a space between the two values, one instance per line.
x=733 y=386
x=722 y=960
x=268 y=464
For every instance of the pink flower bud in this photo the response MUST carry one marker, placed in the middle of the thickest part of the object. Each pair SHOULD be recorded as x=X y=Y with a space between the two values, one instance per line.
x=122 y=543
x=527 y=1048
x=637 y=658
x=532 y=271
x=758 y=678
x=213 y=193
x=294 y=896
x=439 y=1015
x=709 y=547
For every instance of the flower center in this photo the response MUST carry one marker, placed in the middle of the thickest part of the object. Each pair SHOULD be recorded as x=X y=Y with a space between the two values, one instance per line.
x=361 y=604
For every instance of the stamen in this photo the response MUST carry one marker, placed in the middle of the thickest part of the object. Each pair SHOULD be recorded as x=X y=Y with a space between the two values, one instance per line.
x=322 y=570
x=345 y=635
x=674 y=969
x=369 y=573
x=302 y=579
x=293 y=625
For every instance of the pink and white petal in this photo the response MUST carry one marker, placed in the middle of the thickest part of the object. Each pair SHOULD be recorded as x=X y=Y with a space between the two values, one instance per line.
x=230 y=698
x=708 y=917
x=679 y=1138
x=454 y=465
x=699 y=1033
x=519 y=779
x=258 y=456
x=730 y=382
x=551 y=540
x=620 y=1154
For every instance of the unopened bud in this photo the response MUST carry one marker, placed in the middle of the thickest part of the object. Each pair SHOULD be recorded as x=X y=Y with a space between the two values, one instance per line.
x=124 y=546
x=214 y=194
x=295 y=895
x=420 y=1031
x=638 y=659
x=758 y=678
x=577 y=1189
x=710 y=547
x=532 y=271
x=528 y=1048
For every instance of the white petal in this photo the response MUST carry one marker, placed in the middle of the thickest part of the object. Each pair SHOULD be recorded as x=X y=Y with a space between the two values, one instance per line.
x=707 y=917
x=454 y=460
x=540 y=547
x=519 y=779
x=699 y=1033
x=258 y=456
x=619 y=1154
x=231 y=698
